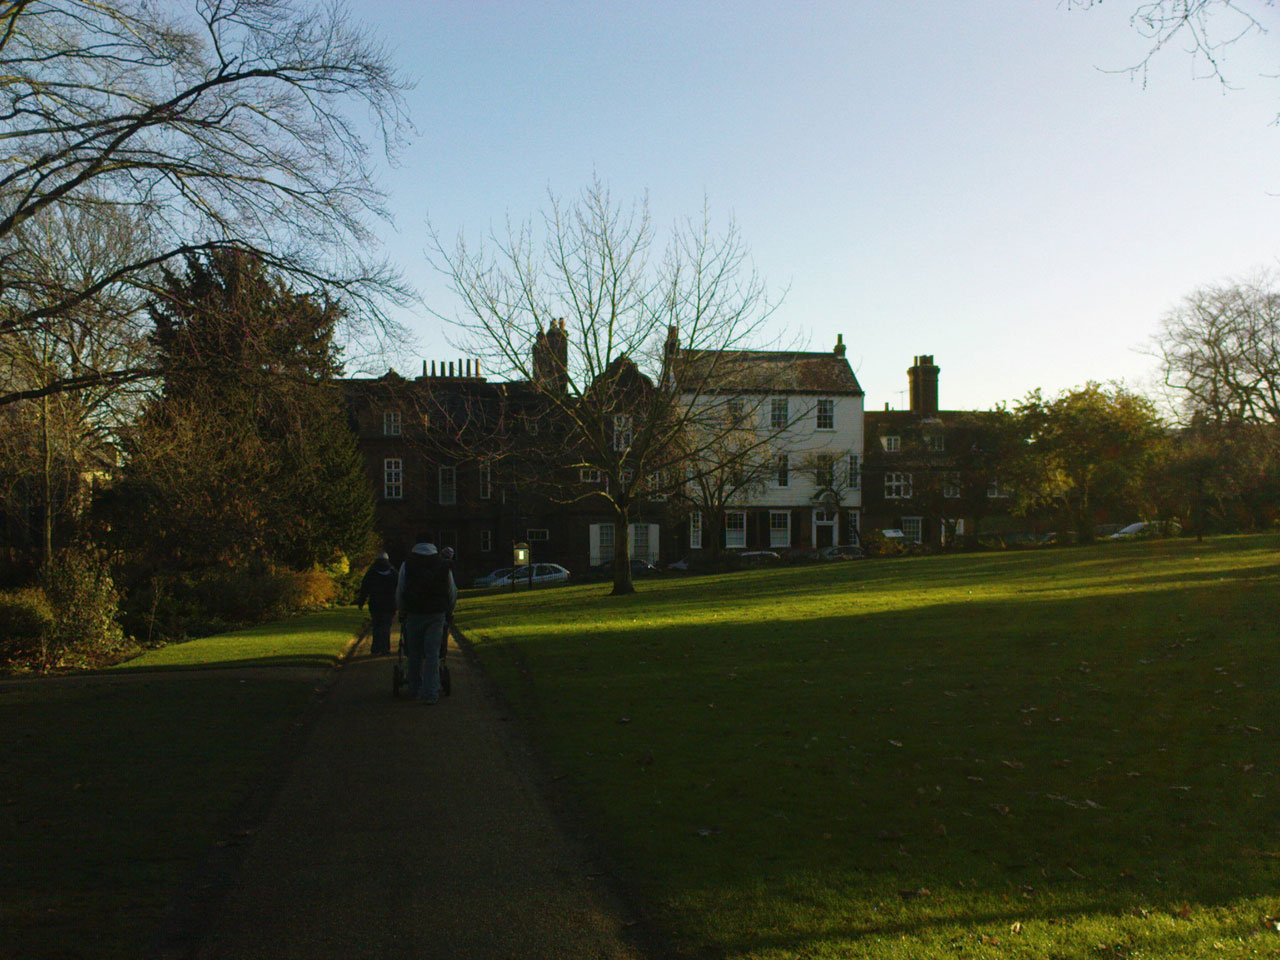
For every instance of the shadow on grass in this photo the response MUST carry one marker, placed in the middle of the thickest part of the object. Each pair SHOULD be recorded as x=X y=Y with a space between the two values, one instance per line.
x=309 y=661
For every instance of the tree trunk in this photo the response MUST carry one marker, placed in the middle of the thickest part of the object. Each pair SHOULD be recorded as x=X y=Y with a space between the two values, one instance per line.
x=46 y=538
x=622 y=584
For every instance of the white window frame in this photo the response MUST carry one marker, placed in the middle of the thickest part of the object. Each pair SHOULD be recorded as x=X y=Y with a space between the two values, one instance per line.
x=783 y=475
x=622 y=432
x=447 y=485
x=775 y=528
x=695 y=531
x=605 y=543
x=486 y=540
x=590 y=475
x=855 y=472
x=779 y=413
x=537 y=535
x=907 y=524
x=996 y=491
x=486 y=480
x=891 y=443
x=935 y=442
x=735 y=537
x=392 y=479
x=391 y=423
x=897 y=486
x=826 y=410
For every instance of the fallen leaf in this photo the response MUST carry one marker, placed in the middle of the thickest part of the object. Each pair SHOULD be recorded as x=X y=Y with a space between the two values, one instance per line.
x=896 y=743
x=1015 y=927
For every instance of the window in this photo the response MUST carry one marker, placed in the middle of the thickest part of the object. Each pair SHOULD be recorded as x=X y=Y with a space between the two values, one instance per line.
x=951 y=486
x=779 y=528
x=621 y=432
x=996 y=489
x=897 y=486
x=891 y=444
x=448 y=486
x=734 y=406
x=392 y=479
x=600 y=543
x=784 y=465
x=486 y=481
x=934 y=442
x=627 y=475
x=640 y=540
x=537 y=533
x=824 y=473
x=735 y=529
x=778 y=415
x=855 y=472
x=695 y=531
x=590 y=475
x=486 y=541
x=826 y=414
x=913 y=529
x=391 y=423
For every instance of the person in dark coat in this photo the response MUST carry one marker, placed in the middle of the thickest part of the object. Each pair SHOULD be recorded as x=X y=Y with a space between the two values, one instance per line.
x=378 y=588
x=425 y=595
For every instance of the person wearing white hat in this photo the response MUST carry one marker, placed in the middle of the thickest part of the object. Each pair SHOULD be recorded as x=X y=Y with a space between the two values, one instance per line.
x=425 y=595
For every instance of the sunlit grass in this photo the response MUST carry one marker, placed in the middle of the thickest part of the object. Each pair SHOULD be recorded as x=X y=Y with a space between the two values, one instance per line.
x=1072 y=751
x=309 y=640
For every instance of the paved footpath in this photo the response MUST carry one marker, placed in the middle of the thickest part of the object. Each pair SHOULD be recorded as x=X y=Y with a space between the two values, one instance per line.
x=406 y=830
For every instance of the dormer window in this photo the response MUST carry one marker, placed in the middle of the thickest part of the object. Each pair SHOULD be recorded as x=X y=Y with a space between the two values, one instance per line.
x=391 y=423
x=621 y=432
x=891 y=444
x=934 y=442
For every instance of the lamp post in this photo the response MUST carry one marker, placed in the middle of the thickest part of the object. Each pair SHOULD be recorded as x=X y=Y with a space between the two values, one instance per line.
x=520 y=558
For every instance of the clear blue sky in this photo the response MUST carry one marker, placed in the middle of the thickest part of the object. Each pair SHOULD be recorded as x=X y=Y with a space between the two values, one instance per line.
x=954 y=178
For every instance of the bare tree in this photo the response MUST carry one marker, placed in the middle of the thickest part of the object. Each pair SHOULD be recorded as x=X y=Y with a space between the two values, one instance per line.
x=1219 y=352
x=210 y=123
x=601 y=326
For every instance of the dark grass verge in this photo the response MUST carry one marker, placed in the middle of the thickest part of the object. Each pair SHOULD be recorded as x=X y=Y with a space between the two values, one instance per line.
x=126 y=802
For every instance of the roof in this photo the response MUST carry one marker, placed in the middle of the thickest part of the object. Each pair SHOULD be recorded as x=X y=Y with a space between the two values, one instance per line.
x=771 y=371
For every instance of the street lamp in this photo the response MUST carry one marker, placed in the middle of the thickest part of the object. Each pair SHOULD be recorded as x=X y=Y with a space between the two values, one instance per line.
x=520 y=558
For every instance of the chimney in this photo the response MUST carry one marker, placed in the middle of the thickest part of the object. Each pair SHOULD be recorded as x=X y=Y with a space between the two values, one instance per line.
x=551 y=357
x=923 y=377
x=839 y=350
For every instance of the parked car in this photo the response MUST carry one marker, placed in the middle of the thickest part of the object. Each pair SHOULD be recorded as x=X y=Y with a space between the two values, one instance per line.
x=1148 y=528
x=544 y=574
x=754 y=558
x=848 y=551
x=639 y=568
x=492 y=579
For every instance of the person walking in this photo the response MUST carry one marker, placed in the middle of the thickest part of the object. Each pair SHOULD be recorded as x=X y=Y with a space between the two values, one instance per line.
x=378 y=589
x=425 y=595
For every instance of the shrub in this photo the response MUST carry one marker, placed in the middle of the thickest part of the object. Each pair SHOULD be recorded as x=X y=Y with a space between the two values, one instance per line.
x=84 y=598
x=875 y=544
x=314 y=589
x=27 y=621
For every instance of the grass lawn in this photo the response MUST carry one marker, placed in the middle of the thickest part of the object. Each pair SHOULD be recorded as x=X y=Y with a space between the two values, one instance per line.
x=1064 y=753
x=112 y=790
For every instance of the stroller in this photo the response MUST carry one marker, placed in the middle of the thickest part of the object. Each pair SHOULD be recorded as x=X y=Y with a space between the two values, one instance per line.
x=400 y=674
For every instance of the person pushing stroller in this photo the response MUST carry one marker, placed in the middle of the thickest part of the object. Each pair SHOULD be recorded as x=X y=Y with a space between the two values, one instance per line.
x=426 y=595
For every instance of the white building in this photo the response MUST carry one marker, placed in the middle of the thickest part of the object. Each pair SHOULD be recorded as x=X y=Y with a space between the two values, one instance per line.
x=801 y=488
